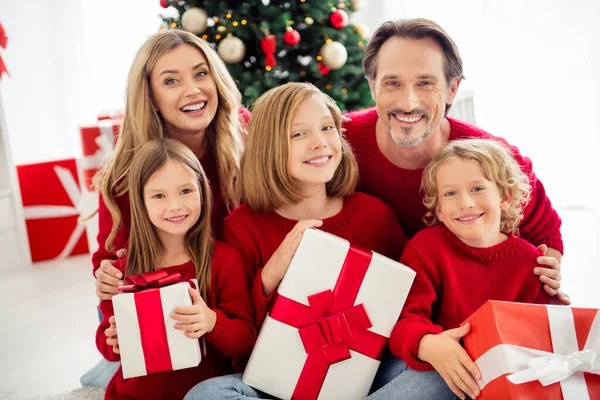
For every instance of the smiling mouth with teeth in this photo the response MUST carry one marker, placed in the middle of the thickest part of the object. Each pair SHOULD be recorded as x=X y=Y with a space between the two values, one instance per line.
x=194 y=107
x=177 y=219
x=317 y=161
x=408 y=118
x=469 y=218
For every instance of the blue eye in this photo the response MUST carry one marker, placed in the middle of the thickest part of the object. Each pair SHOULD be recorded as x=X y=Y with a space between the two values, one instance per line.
x=425 y=83
x=170 y=81
x=186 y=191
x=392 y=83
x=296 y=134
x=478 y=188
x=449 y=194
x=158 y=196
x=201 y=74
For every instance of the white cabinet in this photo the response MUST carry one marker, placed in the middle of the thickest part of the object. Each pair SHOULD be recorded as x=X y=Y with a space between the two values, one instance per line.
x=14 y=246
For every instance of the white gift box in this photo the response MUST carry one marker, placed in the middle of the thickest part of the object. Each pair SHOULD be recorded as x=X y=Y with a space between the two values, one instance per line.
x=343 y=283
x=148 y=341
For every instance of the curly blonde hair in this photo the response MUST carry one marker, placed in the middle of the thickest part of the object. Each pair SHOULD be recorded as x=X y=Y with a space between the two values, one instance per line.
x=498 y=166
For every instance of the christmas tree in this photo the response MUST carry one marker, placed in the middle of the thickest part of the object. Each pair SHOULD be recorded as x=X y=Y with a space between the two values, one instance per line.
x=266 y=43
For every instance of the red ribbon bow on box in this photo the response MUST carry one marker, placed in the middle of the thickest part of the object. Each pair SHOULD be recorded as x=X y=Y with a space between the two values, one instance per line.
x=331 y=325
x=3 y=43
x=146 y=280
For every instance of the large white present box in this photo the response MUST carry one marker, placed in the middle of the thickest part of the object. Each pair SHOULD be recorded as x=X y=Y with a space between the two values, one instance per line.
x=148 y=341
x=330 y=322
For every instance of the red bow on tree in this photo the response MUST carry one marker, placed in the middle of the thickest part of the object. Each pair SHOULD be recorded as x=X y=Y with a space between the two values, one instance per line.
x=3 y=42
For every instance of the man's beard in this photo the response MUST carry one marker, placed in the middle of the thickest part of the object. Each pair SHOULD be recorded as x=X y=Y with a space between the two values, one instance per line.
x=405 y=140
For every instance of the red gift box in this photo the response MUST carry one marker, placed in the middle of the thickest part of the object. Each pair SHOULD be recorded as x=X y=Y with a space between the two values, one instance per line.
x=51 y=197
x=529 y=351
x=97 y=142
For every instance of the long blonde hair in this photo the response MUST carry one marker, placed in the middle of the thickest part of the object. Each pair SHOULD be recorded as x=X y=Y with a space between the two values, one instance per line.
x=498 y=166
x=144 y=245
x=265 y=179
x=142 y=123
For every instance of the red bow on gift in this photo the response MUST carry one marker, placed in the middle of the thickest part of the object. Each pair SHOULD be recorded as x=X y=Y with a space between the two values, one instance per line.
x=3 y=42
x=331 y=325
x=147 y=280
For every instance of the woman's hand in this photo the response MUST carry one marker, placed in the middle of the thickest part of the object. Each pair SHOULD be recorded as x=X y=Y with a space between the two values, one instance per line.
x=550 y=275
x=108 y=278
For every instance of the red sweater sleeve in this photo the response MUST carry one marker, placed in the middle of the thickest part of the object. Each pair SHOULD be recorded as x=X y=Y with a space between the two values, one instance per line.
x=106 y=307
x=415 y=319
x=234 y=333
x=394 y=235
x=238 y=236
x=104 y=227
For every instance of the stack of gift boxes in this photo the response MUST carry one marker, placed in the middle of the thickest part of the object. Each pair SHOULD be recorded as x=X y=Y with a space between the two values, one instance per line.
x=58 y=196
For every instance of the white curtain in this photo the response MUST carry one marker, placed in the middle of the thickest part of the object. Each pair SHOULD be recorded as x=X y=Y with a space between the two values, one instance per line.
x=534 y=69
x=68 y=61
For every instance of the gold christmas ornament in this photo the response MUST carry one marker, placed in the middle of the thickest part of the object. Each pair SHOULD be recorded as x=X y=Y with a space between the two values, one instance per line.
x=309 y=20
x=334 y=55
x=194 y=20
x=231 y=49
x=359 y=4
x=362 y=30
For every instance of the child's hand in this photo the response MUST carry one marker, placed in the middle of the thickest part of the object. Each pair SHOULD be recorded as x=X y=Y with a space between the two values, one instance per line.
x=111 y=332
x=196 y=320
x=444 y=352
x=279 y=262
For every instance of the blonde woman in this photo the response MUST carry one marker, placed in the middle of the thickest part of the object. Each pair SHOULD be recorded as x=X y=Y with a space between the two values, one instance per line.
x=475 y=192
x=178 y=88
x=170 y=231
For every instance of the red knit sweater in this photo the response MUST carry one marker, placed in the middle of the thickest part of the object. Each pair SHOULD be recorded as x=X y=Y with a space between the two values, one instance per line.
x=219 y=211
x=400 y=188
x=233 y=336
x=364 y=221
x=454 y=280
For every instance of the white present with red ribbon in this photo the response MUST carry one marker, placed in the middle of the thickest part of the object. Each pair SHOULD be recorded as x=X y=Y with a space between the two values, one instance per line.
x=52 y=206
x=529 y=351
x=97 y=142
x=330 y=322
x=148 y=341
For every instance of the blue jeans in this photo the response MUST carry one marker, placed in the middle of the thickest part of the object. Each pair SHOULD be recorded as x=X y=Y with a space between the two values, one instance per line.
x=394 y=380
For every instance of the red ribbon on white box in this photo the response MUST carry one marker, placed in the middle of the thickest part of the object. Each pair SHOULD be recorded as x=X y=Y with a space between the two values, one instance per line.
x=565 y=365
x=78 y=199
x=105 y=144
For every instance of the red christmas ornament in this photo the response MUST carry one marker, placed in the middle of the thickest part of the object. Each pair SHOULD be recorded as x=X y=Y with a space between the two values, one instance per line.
x=164 y=3
x=291 y=37
x=268 y=45
x=324 y=70
x=339 y=19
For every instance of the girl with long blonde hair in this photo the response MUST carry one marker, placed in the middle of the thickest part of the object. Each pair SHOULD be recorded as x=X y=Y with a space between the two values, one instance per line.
x=298 y=172
x=171 y=230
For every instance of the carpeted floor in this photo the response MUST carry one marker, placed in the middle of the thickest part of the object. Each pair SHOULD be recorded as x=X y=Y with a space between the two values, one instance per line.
x=83 y=393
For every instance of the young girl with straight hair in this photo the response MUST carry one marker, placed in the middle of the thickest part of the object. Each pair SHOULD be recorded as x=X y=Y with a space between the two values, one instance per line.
x=170 y=229
x=298 y=172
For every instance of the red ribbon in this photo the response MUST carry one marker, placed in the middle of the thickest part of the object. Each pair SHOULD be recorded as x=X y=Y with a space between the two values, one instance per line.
x=154 y=279
x=268 y=45
x=148 y=306
x=3 y=43
x=331 y=325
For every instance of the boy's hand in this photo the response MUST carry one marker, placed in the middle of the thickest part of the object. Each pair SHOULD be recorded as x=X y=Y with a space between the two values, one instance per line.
x=196 y=320
x=111 y=332
x=444 y=352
